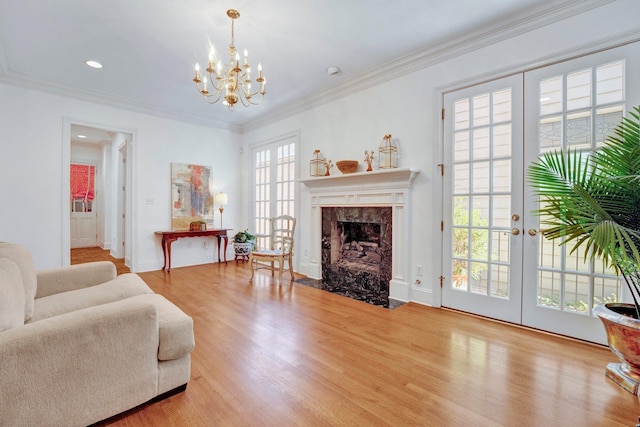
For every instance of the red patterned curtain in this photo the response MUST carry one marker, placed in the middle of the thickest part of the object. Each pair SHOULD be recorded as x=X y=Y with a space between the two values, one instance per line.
x=82 y=182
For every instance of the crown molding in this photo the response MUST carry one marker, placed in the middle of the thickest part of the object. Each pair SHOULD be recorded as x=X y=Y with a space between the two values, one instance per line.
x=109 y=100
x=398 y=67
x=431 y=56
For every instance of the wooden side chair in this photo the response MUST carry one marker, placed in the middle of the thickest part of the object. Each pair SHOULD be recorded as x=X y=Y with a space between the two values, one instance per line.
x=280 y=247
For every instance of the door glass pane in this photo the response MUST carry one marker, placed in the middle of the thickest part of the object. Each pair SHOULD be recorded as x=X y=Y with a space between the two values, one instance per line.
x=501 y=211
x=551 y=96
x=502 y=106
x=502 y=141
x=606 y=121
x=579 y=130
x=502 y=176
x=579 y=89
x=550 y=133
x=480 y=178
x=566 y=280
x=481 y=116
x=461 y=146
x=500 y=281
x=482 y=199
x=481 y=144
x=610 y=83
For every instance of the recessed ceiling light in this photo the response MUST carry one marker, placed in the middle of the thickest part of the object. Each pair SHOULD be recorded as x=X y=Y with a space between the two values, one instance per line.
x=82 y=136
x=93 y=64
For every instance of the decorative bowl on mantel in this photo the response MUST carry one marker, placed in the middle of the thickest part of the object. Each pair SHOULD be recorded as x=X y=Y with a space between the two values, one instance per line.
x=347 y=166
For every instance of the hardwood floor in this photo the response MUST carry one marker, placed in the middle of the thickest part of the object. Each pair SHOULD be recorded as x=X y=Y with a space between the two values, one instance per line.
x=82 y=255
x=292 y=355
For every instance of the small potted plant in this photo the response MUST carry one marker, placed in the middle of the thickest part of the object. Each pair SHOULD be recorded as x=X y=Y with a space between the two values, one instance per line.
x=243 y=244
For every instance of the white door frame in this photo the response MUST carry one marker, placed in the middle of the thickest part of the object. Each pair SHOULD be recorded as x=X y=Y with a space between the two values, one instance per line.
x=65 y=228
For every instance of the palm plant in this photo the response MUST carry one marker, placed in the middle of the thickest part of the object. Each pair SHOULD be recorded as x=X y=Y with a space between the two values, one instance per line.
x=593 y=199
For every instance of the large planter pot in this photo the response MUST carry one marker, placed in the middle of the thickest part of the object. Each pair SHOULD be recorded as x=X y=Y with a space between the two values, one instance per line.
x=623 y=335
x=242 y=250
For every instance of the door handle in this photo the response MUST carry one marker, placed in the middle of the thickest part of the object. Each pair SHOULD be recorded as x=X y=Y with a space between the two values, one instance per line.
x=515 y=231
x=532 y=232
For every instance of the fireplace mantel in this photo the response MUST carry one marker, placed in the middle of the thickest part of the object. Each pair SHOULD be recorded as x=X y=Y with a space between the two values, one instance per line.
x=390 y=187
x=381 y=179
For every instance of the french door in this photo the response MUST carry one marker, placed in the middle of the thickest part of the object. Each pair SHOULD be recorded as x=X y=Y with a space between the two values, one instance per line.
x=499 y=263
x=273 y=181
x=483 y=153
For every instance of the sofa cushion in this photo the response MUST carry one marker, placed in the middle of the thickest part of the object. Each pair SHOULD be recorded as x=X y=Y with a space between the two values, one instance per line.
x=175 y=328
x=22 y=257
x=11 y=295
x=124 y=286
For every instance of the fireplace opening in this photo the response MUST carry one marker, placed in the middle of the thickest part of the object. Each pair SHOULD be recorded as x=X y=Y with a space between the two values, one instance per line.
x=357 y=252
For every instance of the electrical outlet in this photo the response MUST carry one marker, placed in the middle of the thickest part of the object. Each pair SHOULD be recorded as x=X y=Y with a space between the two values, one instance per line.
x=205 y=245
x=306 y=252
x=418 y=270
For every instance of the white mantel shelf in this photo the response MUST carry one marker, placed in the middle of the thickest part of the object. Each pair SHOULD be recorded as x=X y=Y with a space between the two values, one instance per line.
x=380 y=179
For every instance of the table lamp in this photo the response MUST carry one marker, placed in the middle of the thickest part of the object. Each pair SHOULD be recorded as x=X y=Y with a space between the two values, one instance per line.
x=221 y=200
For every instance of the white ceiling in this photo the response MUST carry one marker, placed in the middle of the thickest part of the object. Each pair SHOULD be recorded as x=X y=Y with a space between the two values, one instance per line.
x=149 y=47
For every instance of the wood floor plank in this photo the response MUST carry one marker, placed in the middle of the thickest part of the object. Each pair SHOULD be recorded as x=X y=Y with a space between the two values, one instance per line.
x=291 y=355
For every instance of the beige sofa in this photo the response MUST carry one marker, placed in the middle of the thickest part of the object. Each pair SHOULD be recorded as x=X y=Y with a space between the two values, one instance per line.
x=79 y=345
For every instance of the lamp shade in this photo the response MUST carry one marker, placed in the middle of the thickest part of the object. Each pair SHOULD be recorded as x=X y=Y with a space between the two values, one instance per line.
x=221 y=199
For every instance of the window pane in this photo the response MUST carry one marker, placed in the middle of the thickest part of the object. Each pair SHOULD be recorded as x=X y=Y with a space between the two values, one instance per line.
x=502 y=106
x=462 y=114
x=481 y=110
x=610 y=83
x=551 y=96
x=579 y=89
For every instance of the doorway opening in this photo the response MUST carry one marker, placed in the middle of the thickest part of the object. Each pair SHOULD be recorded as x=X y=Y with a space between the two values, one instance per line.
x=100 y=217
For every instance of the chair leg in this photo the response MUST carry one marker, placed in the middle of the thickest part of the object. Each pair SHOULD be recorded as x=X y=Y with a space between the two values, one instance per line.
x=280 y=266
x=271 y=268
x=290 y=268
x=251 y=261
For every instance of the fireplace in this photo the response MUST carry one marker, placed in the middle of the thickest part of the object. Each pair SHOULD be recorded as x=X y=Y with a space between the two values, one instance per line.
x=357 y=252
x=350 y=197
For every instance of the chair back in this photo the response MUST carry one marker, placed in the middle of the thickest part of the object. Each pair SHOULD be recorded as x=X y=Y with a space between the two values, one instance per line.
x=282 y=229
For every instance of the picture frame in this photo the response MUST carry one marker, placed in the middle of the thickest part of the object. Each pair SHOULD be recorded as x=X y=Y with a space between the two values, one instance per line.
x=191 y=195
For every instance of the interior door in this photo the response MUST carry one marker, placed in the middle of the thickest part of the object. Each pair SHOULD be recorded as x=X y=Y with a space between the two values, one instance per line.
x=483 y=189
x=83 y=224
x=574 y=104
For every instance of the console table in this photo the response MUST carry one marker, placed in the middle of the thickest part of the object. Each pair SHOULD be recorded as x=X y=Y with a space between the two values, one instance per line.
x=168 y=237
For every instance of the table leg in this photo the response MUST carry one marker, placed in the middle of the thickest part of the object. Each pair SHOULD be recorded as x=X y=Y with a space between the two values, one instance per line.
x=164 y=252
x=226 y=240
x=169 y=242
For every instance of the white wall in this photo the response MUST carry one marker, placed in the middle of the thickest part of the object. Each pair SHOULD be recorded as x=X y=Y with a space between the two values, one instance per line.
x=409 y=108
x=31 y=172
x=31 y=146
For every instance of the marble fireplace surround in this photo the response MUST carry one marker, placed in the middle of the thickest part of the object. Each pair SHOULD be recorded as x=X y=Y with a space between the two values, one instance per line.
x=392 y=188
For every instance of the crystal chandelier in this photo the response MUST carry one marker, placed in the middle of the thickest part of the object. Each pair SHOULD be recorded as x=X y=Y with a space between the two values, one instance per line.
x=233 y=82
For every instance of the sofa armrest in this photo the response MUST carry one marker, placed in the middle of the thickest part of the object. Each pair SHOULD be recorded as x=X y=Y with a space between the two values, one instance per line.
x=73 y=277
x=81 y=367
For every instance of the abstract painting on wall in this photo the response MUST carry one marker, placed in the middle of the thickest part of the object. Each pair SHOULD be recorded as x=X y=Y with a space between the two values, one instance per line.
x=191 y=195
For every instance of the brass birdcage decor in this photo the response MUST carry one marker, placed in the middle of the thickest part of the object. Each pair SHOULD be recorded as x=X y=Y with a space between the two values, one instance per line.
x=318 y=164
x=388 y=153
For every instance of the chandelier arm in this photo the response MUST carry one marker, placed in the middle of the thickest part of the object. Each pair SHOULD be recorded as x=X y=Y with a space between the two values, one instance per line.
x=207 y=97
